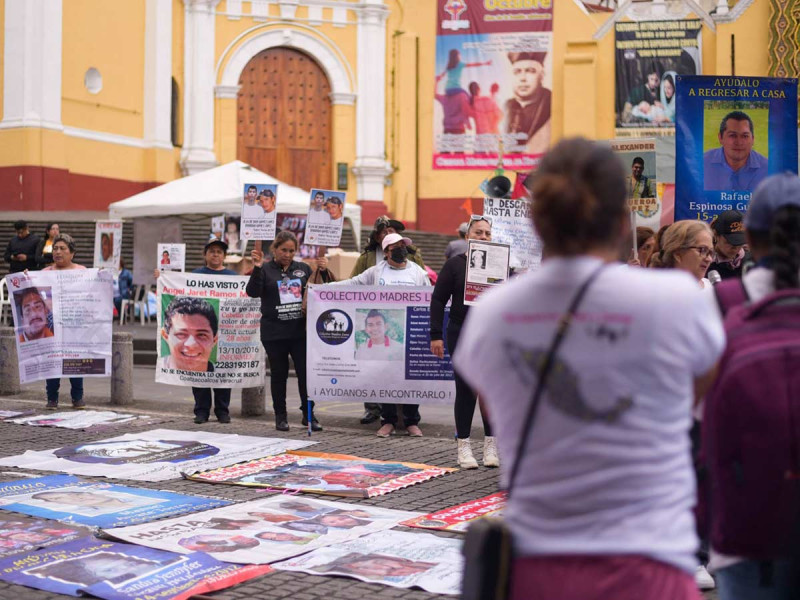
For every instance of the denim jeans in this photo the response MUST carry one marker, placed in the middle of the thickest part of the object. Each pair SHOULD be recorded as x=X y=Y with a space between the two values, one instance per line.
x=76 y=388
x=744 y=581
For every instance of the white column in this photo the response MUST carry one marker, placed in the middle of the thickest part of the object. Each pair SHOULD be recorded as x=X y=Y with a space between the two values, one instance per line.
x=371 y=168
x=198 y=93
x=32 y=64
x=158 y=73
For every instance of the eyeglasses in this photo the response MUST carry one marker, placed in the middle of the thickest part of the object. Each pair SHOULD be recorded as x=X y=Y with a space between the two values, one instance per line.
x=703 y=251
x=474 y=218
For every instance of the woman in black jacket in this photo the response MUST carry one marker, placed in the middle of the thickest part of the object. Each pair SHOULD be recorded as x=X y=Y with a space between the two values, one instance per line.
x=450 y=284
x=44 y=250
x=281 y=283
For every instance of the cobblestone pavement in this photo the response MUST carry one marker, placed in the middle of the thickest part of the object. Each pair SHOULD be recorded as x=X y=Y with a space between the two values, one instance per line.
x=436 y=494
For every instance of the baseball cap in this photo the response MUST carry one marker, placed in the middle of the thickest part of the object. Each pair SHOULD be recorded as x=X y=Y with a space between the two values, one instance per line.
x=213 y=241
x=729 y=224
x=393 y=238
x=773 y=193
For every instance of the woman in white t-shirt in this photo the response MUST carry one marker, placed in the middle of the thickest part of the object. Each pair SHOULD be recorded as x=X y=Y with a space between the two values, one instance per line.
x=601 y=506
x=688 y=246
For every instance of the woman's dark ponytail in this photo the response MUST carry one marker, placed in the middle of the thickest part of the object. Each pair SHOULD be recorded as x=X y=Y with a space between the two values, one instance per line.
x=784 y=240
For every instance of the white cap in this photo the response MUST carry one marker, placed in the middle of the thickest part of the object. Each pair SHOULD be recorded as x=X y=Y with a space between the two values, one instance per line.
x=393 y=238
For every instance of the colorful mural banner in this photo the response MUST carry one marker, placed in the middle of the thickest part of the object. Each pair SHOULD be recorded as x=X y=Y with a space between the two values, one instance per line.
x=263 y=531
x=458 y=518
x=638 y=158
x=22 y=534
x=395 y=558
x=650 y=55
x=322 y=473
x=85 y=419
x=391 y=363
x=492 y=86
x=156 y=455
x=107 y=245
x=732 y=132
x=258 y=218
x=512 y=225
x=69 y=499
x=221 y=346
x=62 y=323
x=115 y=571
x=325 y=218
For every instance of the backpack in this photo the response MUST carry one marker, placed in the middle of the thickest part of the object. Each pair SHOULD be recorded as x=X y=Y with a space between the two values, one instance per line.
x=751 y=427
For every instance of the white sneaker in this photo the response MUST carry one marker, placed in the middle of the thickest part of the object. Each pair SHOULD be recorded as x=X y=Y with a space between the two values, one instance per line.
x=490 y=458
x=703 y=579
x=465 y=458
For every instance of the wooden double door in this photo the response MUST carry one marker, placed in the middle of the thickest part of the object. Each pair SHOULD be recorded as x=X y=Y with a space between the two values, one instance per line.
x=284 y=118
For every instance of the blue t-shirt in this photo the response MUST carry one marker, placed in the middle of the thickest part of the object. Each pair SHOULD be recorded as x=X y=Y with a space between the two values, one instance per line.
x=454 y=77
x=206 y=271
x=717 y=175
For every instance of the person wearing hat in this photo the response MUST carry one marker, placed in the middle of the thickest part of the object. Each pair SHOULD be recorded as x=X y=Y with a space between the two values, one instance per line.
x=528 y=112
x=21 y=250
x=730 y=254
x=394 y=269
x=459 y=246
x=371 y=256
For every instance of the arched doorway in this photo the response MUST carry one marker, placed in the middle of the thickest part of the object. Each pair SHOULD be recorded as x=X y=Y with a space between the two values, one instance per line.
x=284 y=118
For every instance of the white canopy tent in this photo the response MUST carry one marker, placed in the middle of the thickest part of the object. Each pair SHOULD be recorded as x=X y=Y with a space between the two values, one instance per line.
x=216 y=191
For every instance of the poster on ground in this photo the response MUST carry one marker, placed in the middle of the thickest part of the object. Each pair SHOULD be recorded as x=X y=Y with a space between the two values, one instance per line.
x=321 y=473
x=97 y=504
x=512 y=225
x=263 y=531
x=21 y=534
x=487 y=267
x=650 y=55
x=638 y=158
x=731 y=133
x=458 y=518
x=171 y=257
x=157 y=455
x=492 y=85
x=62 y=323
x=6 y=415
x=115 y=571
x=395 y=558
x=209 y=332
x=107 y=245
x=84 y=419
x=373 y=344
x=258 y=218
x=325 y=218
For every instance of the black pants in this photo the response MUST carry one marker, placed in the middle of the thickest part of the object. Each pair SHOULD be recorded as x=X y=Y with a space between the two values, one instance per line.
x=465 y=398
x=410 y=414
x=278 y=352
x=202 y=401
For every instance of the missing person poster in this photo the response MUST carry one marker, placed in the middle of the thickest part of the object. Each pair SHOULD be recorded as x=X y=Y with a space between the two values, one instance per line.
x=21 y=534
x=67 y=498
x=458 y=518
x=265 y=530
x=638 y=157
x=62 y=323
x=96 y=420
x=487 y=267
x=492 y=85
x=209 y=332
x=258 y=216
x=217 y=227
x=373 y=344
x=107 y=245
x=395 y=558
x=171 y=257
x=512 y=225
x=114 y=571
x=297 y=225
x=732 y=132
x=650 y=55
x=325 y=218
x=232 y=235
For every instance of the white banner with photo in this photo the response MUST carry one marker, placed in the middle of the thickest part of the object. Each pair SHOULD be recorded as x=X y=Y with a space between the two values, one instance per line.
x=638 y=158
x=512 y=225
x=156 y=455
x=82 y=419
x=325 y=218
x=107 y=245
x=395 y=558
x=147 y=234
x=259 y=217
x=487 y=267
x=171 y=257
x=209 y=332
x=373 y=344
x=62 y=323
x=263 y=531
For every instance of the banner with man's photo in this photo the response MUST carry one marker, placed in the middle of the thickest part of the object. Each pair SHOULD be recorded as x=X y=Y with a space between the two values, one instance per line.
x=732 y=132
x=650 y=55
x=492 y=86
x=209 y=332
x=62 y=323
x=638 y=158
x=373 y=344
x=107 y=245
x=325 y=218
x=258 y=216
x=21 y=534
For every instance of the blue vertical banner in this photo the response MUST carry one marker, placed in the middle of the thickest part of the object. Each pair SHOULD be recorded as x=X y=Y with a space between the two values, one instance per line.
x=731 y=133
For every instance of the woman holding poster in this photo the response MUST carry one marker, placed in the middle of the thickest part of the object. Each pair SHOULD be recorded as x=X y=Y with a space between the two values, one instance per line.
x=281 y=283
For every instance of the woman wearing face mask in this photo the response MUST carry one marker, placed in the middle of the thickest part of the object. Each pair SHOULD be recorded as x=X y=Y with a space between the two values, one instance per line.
x=688 y=246
x=450 y=285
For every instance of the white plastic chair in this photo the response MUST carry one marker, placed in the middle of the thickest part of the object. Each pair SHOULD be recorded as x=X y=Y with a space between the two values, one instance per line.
x=5 y=301
x=132 y=302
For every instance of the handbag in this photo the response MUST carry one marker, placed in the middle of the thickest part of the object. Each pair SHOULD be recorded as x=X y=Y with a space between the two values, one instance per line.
x=487 y=546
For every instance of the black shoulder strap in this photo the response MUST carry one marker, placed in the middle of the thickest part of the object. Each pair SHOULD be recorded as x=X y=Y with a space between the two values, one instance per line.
x=563 y=326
